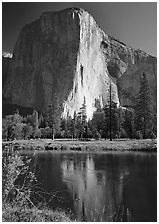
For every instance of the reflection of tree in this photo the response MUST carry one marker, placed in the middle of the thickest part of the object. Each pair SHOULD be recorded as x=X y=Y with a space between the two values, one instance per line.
x=115 y=174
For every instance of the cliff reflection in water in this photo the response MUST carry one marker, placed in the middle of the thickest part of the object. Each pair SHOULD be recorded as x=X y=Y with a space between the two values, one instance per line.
x=97 y=193
x=113 y=186
x=101 y=187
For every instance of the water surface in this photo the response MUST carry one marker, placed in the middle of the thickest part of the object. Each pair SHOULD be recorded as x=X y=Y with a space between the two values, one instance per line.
x=99 y=187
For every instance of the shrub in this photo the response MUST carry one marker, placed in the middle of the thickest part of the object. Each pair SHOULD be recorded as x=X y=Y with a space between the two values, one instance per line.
x=37 y=133
x=48 y=131
x=151 y=135
x=27 y=131
x=123 y=133
x=12 y=167
x=43 y=132
x=138 y=135
x=97 y=135
x=17 y=132
x=17 y=203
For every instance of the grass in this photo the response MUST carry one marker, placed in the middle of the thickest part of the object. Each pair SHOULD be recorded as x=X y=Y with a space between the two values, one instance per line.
x=78 y=145
x=16 y=214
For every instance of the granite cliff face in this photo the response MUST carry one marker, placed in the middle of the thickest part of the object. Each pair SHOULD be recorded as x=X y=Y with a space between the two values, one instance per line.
x=6 y=60
x=67 y=54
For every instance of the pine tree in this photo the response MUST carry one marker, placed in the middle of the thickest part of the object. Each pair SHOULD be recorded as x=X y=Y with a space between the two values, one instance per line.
x=111 y=116
x=128 y=123
x=82 y=119
x=120 y=122
x=72 y=124
x=111 y=121
x=17 y=117
x=35 y=123
x=41 y=121
x=17 y=125
x=110 y=110
x=53 y=116
x=97 y=122
x=143 y=112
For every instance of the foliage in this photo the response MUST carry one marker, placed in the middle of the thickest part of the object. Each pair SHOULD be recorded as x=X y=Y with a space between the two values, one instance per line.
x=53 y=116
x=97 y=122
x=27 y=131
x=97 y=135
x=65 y=126
x=35 y=124
x=41 y=121
x=17 y=201
x=14 y=194
x=111 y=121
x=7 y=127
x=128 y=123
x=143 y=110
x=12 y=126
x=110 y=116
x=81 y=124
x=73 y=125
x=17 y=131
x=14 y=214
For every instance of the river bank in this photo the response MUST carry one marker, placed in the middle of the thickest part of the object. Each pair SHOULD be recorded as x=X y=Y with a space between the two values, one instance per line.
x=17 y=214
x=148 y=145
x=18 y=202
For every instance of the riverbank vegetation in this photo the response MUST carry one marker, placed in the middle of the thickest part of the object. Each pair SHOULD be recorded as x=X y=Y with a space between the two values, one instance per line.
x=91 y=145
x=17 y=200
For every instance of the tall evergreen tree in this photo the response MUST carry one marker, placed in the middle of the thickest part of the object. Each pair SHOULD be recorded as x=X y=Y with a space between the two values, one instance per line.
x=111 y=121
x=17 y=118
x=35 y=123
x=97 y=122
x=54 y=116
x=72 y=125
x=111 y=116
x=82 y=119
x=42 y=121
x=128 y=123
x=143 y=121
x=110 y=110
x=17 y=125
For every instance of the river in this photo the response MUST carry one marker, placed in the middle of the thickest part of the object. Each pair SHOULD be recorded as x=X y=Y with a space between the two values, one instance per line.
x=98 y=186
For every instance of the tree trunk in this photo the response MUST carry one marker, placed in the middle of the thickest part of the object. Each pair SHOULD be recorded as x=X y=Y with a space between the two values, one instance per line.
x=53 y=133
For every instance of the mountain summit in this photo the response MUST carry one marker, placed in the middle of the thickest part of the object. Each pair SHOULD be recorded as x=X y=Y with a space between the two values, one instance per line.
x=66 y=54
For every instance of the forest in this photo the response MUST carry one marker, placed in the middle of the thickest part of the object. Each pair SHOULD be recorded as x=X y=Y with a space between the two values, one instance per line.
x=110 y=122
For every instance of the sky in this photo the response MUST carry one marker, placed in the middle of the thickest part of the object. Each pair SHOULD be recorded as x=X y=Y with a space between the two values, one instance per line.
x=134 y=23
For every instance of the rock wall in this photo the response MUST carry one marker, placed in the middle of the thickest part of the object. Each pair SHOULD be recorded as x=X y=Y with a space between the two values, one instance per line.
x=67 y=54
x=5 y=68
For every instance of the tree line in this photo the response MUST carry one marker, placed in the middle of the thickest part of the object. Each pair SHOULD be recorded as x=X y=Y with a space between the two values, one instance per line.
x=109 y=122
